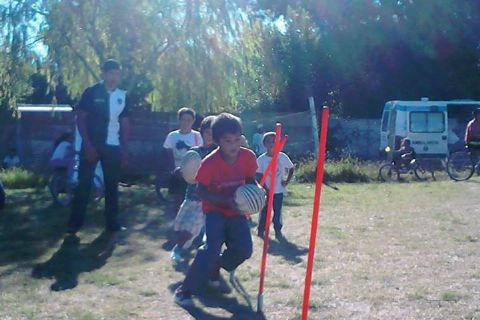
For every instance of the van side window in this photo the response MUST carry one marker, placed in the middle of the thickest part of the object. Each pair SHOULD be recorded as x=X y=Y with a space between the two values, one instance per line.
x=430 y=122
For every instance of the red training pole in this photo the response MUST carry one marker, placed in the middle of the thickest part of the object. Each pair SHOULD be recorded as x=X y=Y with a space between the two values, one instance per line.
x=271 y=191
x=316 y=210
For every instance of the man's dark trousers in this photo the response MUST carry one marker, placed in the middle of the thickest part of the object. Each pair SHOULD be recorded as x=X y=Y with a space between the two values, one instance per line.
x=109 y=157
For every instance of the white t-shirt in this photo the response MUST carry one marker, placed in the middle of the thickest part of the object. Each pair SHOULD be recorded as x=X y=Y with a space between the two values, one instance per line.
x=117 y=105
x=62 y=150
x=180 y=143
x=283 y=164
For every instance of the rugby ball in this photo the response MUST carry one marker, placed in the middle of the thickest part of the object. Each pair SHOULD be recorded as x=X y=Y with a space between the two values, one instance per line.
x=189 y=166
x=250 y=198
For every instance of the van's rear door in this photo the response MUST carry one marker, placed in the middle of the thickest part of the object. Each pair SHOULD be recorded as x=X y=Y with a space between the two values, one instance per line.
x=428 y=131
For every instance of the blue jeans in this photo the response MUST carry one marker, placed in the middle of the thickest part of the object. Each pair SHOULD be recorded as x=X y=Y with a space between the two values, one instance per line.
x=277 y=214
x=234 y=232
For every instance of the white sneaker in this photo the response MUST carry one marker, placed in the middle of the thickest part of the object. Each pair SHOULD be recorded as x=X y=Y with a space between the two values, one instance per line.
x=176 y=257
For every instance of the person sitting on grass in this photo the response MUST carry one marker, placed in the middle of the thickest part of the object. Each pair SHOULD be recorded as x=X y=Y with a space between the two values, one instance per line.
x=190 y=220
x=284 y=164
x=219 y=175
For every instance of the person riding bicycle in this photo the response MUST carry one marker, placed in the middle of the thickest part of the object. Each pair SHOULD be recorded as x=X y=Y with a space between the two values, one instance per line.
x=62 y=156
x=472 y=132
x=403 y=156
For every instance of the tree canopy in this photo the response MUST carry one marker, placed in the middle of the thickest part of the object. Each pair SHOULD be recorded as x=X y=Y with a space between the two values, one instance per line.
x=243 y=54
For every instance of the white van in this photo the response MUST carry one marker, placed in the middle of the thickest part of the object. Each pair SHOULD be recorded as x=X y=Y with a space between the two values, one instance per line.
x=434 y=127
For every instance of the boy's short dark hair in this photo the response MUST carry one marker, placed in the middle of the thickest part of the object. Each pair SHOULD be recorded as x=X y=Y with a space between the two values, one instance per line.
x=185 y=110
x=225 y=123
x=206 y=123
x=268 y=135
x=111 y=64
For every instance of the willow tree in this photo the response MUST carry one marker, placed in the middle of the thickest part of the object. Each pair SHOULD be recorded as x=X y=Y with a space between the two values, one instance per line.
x=17 y=60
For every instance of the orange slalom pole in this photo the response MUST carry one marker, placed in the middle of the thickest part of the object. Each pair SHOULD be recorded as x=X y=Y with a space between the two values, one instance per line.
x=316 y=210
x=276 y=150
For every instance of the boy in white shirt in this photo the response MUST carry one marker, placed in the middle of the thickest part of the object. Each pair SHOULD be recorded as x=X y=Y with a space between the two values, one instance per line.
x=284 y=164
x=177 y=143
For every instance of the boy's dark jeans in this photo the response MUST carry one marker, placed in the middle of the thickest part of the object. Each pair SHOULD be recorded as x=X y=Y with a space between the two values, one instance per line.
x=109 y=157
x=235 y=233
x=277 y=214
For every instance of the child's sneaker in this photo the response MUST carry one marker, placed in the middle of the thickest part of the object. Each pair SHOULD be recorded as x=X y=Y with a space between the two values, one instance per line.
x=176 y=255
x=183 y=297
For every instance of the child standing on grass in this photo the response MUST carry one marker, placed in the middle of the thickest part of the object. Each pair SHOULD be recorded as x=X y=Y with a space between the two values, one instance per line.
x=190 y=219
x=177 y=143
x=284 y=164
x=220 y=174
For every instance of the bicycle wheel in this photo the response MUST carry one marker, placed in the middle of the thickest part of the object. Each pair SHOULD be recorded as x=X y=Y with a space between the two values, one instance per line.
x=60 y=191
x=421 y=173
x=460 y=166
x=387 y=173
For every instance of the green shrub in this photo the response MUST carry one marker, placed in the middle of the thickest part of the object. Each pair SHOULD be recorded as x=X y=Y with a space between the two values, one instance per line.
x=21 y=179
x=347 y=169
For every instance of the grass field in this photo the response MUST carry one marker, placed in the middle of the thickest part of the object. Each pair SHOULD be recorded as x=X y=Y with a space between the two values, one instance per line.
x=384 y=251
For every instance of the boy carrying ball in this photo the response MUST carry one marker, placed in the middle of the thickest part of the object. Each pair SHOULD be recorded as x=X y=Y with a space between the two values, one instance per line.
x=219 y=175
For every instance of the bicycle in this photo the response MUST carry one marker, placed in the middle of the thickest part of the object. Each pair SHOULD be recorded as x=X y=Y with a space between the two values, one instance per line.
x=62 y=186
x=391 y=172
x=462 y=164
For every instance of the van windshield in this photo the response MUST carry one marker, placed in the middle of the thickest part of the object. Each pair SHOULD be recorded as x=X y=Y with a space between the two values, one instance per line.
x=428 y=122
x=385 y=120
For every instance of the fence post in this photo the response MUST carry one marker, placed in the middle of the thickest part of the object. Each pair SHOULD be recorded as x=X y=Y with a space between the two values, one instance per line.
x=313 y=115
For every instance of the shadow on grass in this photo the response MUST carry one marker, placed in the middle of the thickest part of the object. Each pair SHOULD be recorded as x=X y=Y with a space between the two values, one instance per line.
x=30 y=226
x=212 y=299
x=288 y=250
x=74 y=258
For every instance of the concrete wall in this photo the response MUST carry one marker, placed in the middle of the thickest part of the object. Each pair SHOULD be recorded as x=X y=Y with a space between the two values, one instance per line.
x=35 y=134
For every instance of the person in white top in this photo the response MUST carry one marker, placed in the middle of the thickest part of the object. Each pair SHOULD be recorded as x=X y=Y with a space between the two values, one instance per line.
x=176 y=145
x=284 y=174
x=62 y=156
x=102 y=119
x=178 y=142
